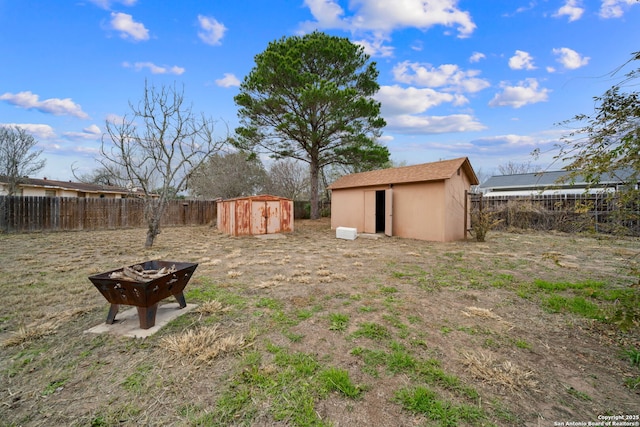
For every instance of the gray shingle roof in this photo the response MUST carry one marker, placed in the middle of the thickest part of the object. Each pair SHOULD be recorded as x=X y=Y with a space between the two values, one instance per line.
x=548 y=179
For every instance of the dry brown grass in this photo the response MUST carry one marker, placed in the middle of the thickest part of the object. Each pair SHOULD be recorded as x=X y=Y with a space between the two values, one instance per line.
x=503 y=373
x=434 y=299
x=211 y=307
x=480 y=312
x=25 y=334
x=204 y=344
x=232 y=274
x=35 y=330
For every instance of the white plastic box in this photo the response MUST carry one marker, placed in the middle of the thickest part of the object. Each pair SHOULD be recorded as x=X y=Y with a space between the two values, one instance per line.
x=346 y=233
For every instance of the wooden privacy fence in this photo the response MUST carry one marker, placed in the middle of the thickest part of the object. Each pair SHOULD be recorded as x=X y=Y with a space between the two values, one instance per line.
x=25 y=214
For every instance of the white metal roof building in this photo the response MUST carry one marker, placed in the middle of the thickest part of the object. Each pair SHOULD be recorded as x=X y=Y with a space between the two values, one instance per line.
x=551 y=183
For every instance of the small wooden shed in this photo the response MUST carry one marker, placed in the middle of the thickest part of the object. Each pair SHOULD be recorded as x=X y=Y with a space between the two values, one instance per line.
x=253 y=215
x=428 y=201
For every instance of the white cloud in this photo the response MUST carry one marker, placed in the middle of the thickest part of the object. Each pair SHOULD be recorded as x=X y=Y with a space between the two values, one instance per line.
x=327 y=12
x=86 y=150
x=410 y=124
x=55 y=106
x=128 y=27
x=572 y=8
x=521 y=61
x=448 y=76
x=229 y=80
x=39 y=131
x=506 y=141
x=115 y=118
x=94 y=129
x=375 y=46
x=615 y=8
x=402 y=109
x=417 y=46
x=569 y=58
x=500 y=149
x=212 y=30
x=106 y=4
x=386 y=16
x=155 y=69
x=526 y=92
x=92 y=132
x=476 y=57
x=522 y=9
x=398 y=100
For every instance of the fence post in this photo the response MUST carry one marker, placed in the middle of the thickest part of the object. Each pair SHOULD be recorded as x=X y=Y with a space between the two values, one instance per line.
x=466 y=212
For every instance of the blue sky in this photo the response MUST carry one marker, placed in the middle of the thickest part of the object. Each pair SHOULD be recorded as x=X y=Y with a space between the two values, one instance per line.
x=488 y=80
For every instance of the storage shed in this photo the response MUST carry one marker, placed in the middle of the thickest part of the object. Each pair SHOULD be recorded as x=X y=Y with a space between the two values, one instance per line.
x=429 y=201
x=263 y=214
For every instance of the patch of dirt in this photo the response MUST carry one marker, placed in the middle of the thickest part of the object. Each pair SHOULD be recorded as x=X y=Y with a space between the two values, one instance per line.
x=467 y=307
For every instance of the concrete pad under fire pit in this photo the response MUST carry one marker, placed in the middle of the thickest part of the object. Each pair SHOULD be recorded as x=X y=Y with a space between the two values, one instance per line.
x=127 y=323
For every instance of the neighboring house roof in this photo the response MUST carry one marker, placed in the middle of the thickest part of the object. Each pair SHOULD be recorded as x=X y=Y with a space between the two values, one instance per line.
x=69 y=185
x=436 y=171
x=551 y=179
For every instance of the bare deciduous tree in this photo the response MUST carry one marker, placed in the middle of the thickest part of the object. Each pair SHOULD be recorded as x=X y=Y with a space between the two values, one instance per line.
x=18 y=158
x=156 y=146
x=482 y=177
x=101 y=176
x=228 y=175
x=513 y=168
x=289 y=178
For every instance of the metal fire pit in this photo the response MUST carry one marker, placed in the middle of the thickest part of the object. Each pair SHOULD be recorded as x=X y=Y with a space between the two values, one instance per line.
x=144 y=295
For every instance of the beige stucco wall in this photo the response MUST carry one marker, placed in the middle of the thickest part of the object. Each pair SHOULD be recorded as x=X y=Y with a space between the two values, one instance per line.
x=455 y=207
x=432 y=211
x=33 y=192
x=347 y=207
x=418 y=211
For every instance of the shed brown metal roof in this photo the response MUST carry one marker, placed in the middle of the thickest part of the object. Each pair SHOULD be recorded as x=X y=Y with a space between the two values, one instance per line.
x=257 y=198
x=435 y=171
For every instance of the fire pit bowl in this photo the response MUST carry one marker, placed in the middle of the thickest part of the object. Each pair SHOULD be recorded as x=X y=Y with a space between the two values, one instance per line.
x=144 y=285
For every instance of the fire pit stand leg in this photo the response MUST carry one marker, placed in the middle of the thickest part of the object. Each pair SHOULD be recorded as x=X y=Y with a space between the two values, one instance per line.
x=180 y=298
x=147 y=316
x=111 y=317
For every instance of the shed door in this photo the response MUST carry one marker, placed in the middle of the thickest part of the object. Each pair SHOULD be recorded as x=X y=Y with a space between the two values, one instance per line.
x=242 y=220
x=388 y=212
x=370 y=211
x=258 y=217
x=272 y=209
x=265 y=217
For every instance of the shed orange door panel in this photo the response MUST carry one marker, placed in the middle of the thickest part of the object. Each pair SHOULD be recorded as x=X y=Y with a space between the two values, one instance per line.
x=370 y=211
x=265 y=217
x=286 y=215
x=272 y=218
x=258 y=217
x=242 y=212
